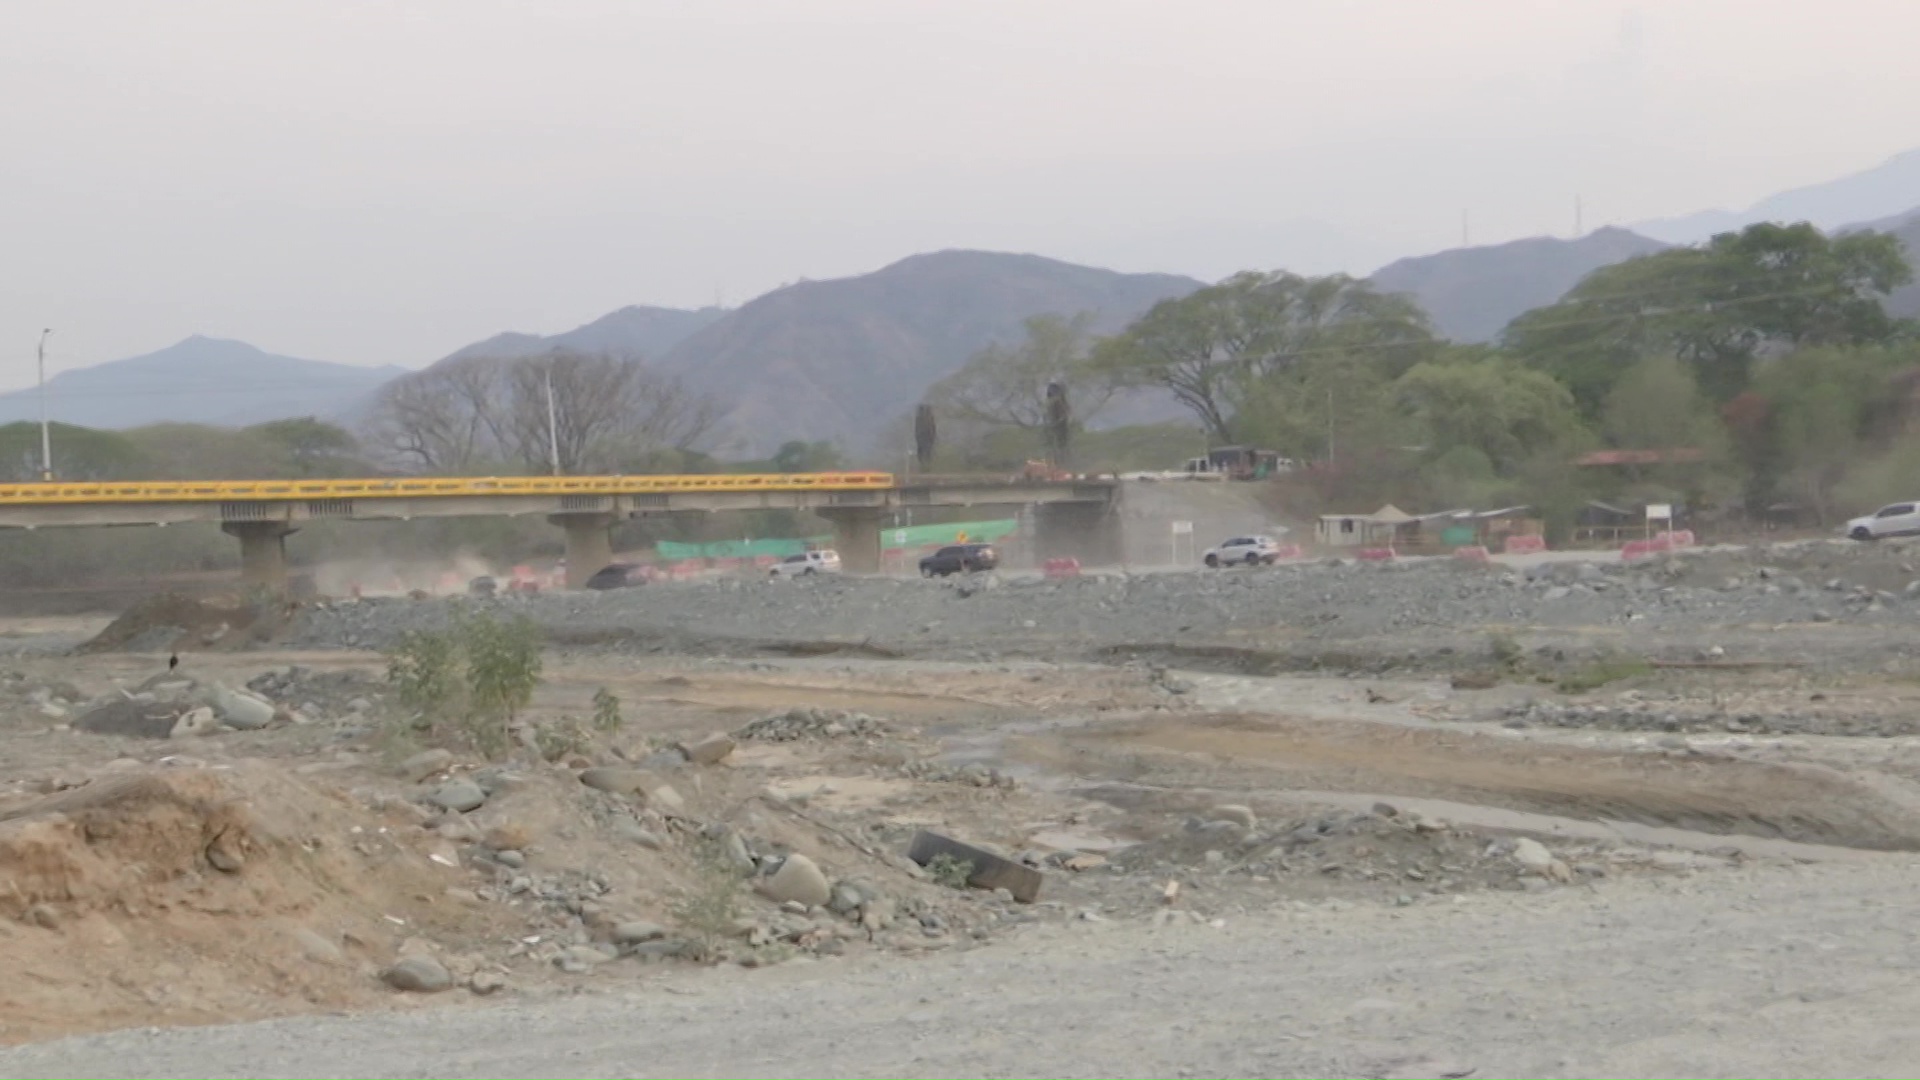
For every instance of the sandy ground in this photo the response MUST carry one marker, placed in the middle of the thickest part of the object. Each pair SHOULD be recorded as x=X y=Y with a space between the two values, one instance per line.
x=1778 y=972
x=1722 y=899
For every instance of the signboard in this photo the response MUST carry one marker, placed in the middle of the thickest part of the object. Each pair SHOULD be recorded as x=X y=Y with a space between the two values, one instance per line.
x=1660 y=510
x=1183 y=528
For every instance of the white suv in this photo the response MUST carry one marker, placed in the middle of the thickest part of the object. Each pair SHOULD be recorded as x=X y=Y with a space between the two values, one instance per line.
x=1894 y=519
x=1249 y=550
x=806 y=564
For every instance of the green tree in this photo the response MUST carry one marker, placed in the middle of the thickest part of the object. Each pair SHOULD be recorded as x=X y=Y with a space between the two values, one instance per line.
x=1718 y=308
x=310 y=447
x=1215 y=348
x=798 y=456
x=1657 y=405
x=1826 y=411
x=1006 y=385
x=78 y=453
x=1504 y=412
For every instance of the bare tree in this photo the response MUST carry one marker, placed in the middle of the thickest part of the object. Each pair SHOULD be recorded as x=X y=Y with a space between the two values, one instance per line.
x=607 y=409
x=610 y=410
x=445 y=419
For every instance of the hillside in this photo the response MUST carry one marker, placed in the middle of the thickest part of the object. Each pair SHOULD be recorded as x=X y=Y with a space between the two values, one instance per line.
x=200 y=380
x=839 y=359
x=1472 y=293
x=637 y=330
x=1887 y=189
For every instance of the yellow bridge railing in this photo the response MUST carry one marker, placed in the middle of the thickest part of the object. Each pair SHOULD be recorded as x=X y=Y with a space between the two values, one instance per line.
x=197 y=491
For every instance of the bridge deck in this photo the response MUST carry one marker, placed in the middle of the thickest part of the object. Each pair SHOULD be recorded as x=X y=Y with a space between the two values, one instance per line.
x=229 y=491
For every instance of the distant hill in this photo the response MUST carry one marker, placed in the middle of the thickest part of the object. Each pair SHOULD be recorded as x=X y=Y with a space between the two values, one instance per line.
x=647 y=332
x=1889 y=188
x=1473 y=293
x=200 y=380
x=839 y=359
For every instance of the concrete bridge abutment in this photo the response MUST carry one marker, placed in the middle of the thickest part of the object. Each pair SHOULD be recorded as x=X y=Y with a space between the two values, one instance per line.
x=263 y=551
x=589 y=544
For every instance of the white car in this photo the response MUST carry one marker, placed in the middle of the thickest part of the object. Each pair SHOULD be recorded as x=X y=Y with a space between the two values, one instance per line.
x=806 y=564
x=1894 y=519
x=1244 y=550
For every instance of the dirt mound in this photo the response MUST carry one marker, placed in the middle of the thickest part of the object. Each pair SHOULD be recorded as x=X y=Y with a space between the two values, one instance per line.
x=170 y=622
x=200 y=895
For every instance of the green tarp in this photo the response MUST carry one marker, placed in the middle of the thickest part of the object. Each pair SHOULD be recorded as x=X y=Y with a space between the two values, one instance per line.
x=913 y=536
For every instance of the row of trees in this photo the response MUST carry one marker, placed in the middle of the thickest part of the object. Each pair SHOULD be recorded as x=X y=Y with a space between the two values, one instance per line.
x=593 y=412
x=1768 y=352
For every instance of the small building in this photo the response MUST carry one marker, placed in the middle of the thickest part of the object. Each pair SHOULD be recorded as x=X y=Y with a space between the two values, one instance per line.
x=1378 y=529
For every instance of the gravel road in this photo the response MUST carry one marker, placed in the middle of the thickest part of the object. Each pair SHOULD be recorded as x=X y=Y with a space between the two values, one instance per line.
x=1853 y=586
x=1767 y=971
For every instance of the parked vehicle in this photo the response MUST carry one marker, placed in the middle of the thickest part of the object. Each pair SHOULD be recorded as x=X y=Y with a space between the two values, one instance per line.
x=806 y=564
x=617 y=576
x=1238 y=463
x=1244 y=551
x=1894 y=519
x=959 y=559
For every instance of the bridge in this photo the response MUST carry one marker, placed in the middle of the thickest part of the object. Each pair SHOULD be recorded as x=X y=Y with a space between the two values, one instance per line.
x=1072 y=517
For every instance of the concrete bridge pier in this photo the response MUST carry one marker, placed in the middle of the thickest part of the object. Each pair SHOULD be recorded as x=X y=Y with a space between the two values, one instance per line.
x=856 y=536
x=589 y=544
x=263 y=551
x=1089 y=532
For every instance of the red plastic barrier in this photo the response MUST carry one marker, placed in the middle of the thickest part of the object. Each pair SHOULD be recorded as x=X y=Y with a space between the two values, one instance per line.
x=1471 y=553
x=1288 y=551
x=1679 y=538
x=1384 y=554
x=1061 y=568
x=1640 y=549
x=1525 y=545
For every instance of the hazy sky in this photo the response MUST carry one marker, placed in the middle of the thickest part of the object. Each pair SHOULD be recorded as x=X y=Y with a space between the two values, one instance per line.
x=371 y=182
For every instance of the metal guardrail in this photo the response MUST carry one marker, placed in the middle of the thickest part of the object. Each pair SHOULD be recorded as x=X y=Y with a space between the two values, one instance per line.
x=198 y=491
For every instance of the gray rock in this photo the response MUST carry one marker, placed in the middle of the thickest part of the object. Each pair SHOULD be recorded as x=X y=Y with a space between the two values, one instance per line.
x=1532 y=855
x=199 y=721
x=418 y=975
x=797 y=879
x=613 y=780
x=579 y=959
x=317 y=948
x=671 y=758
x=425 y=764
x=634 y=833
x=486 y=982
x=1239 y=815
x=637 y=931
x=459 y=796
x=240 y=710
x=510 y=858
x=711 y=750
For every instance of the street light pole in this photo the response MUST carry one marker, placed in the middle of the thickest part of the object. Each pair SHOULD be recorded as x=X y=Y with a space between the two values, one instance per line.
x=553 y=425
x=46 y=439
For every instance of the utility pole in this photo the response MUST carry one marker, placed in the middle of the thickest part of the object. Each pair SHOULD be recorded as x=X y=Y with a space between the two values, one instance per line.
x=46 y=437
x=1329 y=427
x=553 y=425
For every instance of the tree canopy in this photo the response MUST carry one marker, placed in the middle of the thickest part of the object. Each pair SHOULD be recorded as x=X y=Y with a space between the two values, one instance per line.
x=1718 y=308
x=1215 y=349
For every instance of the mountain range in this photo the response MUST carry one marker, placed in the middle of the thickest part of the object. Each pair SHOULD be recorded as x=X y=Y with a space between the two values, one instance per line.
x=839 y=360
x=201 y=380
x=1889 y=189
